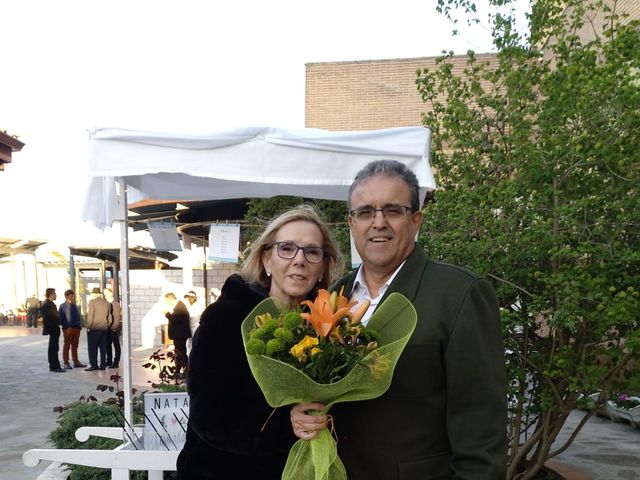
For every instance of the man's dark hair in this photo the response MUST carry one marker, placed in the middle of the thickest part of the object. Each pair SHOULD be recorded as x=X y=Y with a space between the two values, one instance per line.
x=390 y=168
x=69 y=292
x=49 y=291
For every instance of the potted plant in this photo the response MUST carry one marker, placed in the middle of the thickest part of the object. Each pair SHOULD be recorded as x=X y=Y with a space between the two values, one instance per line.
x=628 y=408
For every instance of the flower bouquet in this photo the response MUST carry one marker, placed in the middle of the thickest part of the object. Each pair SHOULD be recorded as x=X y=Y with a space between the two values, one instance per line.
x=324 y=355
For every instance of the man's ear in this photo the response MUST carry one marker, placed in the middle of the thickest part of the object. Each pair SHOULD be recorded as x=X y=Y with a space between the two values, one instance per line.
x=416 y=219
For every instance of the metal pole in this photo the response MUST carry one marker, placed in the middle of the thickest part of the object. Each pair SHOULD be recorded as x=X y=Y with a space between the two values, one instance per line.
x=124 y=278
x=13 y=283
x=72 y=273
x=35 y=264
x=187 y=267
x=204 y=275
x=116 y=284
x=24 y=279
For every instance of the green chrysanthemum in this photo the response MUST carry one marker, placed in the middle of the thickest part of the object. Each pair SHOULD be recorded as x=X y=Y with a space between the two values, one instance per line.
x=258 y=333
x=275 y=345
x=292 y=320
x=269 y=326
x=283 y=334
x=255 y=346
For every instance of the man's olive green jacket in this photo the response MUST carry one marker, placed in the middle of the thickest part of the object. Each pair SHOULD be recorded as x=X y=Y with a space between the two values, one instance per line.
x=444 y=416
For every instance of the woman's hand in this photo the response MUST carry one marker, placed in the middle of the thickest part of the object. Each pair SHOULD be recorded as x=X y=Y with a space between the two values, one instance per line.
x=306 y=426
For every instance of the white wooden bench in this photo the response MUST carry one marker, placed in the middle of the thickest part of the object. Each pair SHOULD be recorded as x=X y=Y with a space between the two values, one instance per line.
x=121 y=460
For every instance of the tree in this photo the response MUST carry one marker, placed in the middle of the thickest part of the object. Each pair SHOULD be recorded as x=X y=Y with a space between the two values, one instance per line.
x=537 y=162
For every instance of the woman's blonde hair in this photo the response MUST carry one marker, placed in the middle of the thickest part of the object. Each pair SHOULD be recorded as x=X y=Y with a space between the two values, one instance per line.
x=253 y=270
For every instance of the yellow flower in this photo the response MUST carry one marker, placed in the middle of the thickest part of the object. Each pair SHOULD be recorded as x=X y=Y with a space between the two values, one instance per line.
x=379 y=364
x=260 y=319
x=315 y=351
x=323 y=316
x=299 y=348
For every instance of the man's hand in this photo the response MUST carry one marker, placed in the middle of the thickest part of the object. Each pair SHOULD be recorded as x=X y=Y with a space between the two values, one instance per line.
x=306 y=426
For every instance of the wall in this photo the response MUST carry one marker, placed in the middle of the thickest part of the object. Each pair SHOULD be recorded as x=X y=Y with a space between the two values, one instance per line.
x=369 y=94
x=147 y=290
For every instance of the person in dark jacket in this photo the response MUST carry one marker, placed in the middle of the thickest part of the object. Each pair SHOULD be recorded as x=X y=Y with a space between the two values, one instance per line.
x=445 y=414
x=51 y=327
x=232 y=432
x=71 y=322
x=179 y=329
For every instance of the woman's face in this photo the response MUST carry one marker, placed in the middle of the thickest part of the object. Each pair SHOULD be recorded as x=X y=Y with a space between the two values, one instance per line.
x=292 y=279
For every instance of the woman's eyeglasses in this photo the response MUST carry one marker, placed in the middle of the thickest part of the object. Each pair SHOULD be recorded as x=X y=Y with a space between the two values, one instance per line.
x=288 y=250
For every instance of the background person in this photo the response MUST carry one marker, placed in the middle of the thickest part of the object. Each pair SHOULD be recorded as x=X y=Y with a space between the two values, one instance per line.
x=178 y=330
x=293 y=257
x=114 y=348
x=51 y=327
x=444 y=415
x=98 y=319
x=32 y=304
x=191 y=302
x=71 y=322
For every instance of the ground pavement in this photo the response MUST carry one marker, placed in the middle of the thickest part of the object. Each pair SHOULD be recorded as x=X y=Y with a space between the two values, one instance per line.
x=28 y=393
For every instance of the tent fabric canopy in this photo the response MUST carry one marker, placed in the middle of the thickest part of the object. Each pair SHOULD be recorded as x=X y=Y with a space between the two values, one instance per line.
x=239 y=163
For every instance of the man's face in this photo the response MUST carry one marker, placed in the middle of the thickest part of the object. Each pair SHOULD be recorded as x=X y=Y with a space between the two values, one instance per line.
x=171 y=301
x=71 y=298
x=383 y=243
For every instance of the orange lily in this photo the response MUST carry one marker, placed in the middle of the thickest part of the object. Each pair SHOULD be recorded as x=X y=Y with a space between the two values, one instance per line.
x=323 y=317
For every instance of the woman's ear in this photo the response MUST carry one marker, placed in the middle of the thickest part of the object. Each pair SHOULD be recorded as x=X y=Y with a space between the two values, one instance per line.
x=266 y=262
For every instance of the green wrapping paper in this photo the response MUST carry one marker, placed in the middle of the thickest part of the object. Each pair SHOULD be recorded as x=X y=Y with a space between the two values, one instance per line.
x=283 y=384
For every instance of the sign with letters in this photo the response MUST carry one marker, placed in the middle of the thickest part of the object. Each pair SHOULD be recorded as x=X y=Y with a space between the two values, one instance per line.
x=165 y=420
x=224 y=241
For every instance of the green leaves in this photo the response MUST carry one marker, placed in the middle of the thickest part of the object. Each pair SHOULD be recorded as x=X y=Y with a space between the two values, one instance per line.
x=536 y=156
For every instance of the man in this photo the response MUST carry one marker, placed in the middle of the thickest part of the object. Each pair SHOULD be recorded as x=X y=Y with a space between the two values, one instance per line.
x=71 y=325
x=444 y=415
x=194 y=314
x=51 y=327
x=98 y=319
x=114 y=349
x=32 y=304
x=179 y=330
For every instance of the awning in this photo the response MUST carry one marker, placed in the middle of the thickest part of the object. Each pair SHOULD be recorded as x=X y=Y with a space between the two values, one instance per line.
x=139 y=257
x=13 y=246
x=241 y=163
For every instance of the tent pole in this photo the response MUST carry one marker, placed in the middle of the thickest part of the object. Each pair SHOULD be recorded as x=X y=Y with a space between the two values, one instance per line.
x=124 y=278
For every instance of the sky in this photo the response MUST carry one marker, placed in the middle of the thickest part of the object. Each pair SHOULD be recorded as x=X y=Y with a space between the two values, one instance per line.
x=190 y=66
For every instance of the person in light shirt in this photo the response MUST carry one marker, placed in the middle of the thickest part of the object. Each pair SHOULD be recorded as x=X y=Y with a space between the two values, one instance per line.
x=444 y=415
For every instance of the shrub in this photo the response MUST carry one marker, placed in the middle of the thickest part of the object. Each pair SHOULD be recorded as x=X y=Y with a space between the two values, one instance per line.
x=81 y=414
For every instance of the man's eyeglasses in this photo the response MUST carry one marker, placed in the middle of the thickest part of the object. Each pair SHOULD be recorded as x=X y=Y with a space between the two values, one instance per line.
x=288 y=250
x=389 y=212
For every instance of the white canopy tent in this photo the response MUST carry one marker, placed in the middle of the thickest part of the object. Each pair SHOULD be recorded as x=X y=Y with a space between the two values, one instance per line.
x=128 y=166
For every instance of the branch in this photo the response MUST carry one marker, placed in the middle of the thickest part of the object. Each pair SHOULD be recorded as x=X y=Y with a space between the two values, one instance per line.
x=509 y=283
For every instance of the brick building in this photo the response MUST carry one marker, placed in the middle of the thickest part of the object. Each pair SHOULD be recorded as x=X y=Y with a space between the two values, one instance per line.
x=370 y=94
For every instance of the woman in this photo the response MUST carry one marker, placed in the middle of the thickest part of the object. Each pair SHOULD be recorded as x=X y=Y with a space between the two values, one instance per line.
x=228 y=435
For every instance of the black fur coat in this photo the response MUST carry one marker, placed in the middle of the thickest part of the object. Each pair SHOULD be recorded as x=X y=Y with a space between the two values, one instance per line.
x=227 y=408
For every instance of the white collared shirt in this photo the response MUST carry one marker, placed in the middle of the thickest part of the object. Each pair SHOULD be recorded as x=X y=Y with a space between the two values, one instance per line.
x=360 y=292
